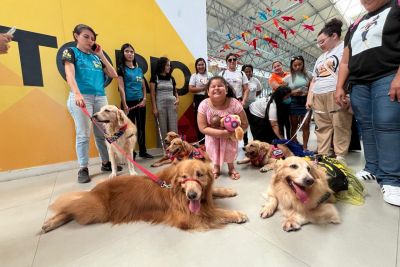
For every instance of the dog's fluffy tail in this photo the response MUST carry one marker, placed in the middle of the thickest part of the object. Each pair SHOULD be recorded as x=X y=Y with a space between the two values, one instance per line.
x=84 y=207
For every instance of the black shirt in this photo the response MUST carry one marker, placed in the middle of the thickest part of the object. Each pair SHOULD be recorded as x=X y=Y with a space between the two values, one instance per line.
x=374 y=43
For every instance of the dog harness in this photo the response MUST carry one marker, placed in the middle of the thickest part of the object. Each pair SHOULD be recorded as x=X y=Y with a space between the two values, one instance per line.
x=117 y=135
x=277 y=153
x=258 y=161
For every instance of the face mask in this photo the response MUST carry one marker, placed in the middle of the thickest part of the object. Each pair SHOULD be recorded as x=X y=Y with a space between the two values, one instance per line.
x=287 y=101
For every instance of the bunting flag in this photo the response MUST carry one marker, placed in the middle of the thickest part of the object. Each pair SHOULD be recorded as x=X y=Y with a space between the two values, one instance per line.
x=308 y=27
x=238 y=43
x=274 y=12
x=306 y=17
x=252 y=18
x=244 y=36
x=238 y=37
x=271 y=41
x=269 y=10
x=293 y=32
x=258 y=28
x=229 y=36
x=283 y=31
x=258 y=54
x=254 y=43
x=276 y=23
x=227 y=46
x=262 y=15
x=288 y=18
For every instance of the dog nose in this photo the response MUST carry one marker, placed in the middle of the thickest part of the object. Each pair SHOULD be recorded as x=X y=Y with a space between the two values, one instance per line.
x=308 y=181
x=94 y=116
x=244 y=148
x=192 y=195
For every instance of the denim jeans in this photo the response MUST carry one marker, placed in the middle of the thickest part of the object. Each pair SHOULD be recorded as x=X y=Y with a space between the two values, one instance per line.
x=82 y=127
x=379 y=119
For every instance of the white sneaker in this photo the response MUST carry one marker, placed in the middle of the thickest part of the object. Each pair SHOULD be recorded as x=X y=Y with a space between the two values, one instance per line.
x=391 y=194
x=365 y=176
x=342 y=159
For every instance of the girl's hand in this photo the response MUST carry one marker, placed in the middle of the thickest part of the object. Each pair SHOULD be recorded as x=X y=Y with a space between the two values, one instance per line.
x=394 y=91
x=176 y=101
x=340 y=97
x=308 y=105
x=155 y=112
x=142 y=103
x=79 y=100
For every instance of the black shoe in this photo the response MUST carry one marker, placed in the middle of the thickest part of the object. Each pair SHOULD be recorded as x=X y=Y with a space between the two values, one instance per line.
x=134 y=155
x=83 y=175
x=145 y=155
x=107 y=167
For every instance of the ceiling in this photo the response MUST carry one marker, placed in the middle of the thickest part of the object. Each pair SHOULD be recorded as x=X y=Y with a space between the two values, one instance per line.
x=259 y=22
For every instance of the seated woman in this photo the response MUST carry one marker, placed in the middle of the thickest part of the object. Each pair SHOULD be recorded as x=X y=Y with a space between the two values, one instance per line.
x=269 y=119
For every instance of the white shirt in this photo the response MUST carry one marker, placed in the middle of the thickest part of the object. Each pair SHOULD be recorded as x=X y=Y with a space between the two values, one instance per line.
x=236 y=79
x=199 y=81
x=254 y=87
x=258 y=107
x=324 y=81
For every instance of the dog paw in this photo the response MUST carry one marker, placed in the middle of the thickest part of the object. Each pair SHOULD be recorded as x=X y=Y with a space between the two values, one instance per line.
x=133 y=173
x=112 y=175
x=265 y=169
x=47 y=227
x=335 y=220
x=290 y=225
x=266 y=212
x=241 y=218
x=230 y=192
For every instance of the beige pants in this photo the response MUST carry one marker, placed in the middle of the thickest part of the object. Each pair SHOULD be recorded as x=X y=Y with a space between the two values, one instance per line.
x=333 y=124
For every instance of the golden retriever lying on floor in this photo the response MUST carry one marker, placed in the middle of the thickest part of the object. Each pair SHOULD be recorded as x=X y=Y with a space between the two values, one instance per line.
x=259 y=154
x=299 y=188
x=180 y=150
x=187 y=205
x=165 y=159
x=121 y=130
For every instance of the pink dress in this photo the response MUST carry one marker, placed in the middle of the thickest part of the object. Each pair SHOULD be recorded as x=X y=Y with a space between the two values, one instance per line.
x=220 y=150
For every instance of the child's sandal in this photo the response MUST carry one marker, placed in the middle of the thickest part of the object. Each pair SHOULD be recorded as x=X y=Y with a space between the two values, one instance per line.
x=216 y=174
x=234 y=175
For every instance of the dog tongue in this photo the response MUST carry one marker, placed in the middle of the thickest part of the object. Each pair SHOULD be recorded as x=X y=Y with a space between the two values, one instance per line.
x=300 y=193
x=194 y=206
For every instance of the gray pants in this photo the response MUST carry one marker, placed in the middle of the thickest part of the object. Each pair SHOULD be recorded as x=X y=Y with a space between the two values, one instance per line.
x=167 y=115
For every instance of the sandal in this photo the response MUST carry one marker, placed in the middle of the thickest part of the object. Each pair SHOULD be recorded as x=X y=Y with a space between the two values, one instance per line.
x=234 y=175
x=216 y=174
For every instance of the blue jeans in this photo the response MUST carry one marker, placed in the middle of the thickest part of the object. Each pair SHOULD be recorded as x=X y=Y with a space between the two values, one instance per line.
x=379 y=119
x=82 y=127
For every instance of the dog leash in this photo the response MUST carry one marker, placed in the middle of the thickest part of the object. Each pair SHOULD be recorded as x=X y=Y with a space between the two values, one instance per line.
x=154 y=178
x=301 y=125
x=160 y=135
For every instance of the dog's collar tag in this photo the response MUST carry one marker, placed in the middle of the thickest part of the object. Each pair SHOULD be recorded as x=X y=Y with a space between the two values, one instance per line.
x=117 y=135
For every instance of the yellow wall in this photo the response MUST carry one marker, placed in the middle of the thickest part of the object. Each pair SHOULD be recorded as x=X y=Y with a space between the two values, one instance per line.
x=36 y=128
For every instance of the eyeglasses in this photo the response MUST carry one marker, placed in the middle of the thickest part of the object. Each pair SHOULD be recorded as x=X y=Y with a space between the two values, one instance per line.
x=298 y=57
x=322 y=41
x=232 y=59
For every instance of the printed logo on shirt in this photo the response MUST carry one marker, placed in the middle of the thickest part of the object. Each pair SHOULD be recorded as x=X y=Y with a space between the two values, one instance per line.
x=369 y=33
x=66 y=54
x=97 y=64
x=331 y=62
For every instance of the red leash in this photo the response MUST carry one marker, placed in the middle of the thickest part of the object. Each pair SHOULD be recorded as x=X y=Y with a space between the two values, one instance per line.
x=140 y=167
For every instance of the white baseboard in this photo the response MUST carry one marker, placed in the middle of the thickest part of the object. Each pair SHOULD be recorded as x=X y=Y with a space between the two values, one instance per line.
x=57 y=167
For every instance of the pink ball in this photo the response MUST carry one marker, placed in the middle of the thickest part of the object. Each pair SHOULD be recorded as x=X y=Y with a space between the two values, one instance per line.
x=231 y=123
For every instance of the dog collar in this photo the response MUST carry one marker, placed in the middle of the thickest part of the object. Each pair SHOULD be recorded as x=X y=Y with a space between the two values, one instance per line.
x=117 y=135
x=196 y=154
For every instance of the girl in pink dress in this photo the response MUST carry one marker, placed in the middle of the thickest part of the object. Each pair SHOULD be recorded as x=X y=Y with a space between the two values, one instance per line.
x=220 y=147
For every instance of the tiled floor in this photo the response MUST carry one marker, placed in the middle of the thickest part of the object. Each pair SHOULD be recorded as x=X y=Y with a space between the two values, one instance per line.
x=367 y=236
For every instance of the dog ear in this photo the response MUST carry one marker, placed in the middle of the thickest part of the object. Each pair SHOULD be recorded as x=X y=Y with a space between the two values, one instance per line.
x=279 y=163
x=186 y=146
x=120 y=116
x=316 y=171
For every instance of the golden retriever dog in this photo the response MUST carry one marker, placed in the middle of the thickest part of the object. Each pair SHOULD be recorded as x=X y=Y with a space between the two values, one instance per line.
x=188 y=204
x=121 y=130
x=299 y=188
x=165 y=159
x=180 y=150
x=258 y=154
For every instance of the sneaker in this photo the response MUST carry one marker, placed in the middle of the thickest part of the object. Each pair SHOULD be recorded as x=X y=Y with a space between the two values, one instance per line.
x=145 y=155
x=341 y=158
x=391 y=194
x=365 y=176
x=107 y=167
x=83 y=175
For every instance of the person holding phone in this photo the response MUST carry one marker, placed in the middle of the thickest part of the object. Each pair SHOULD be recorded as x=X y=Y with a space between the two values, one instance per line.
x=85 y=66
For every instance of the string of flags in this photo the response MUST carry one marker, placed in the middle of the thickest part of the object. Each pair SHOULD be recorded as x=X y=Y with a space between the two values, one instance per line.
x=253 y=37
